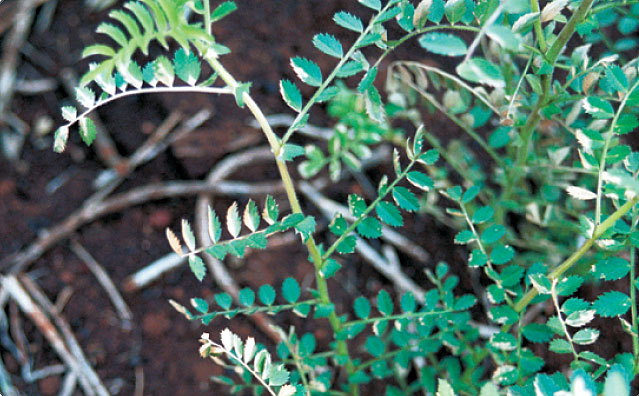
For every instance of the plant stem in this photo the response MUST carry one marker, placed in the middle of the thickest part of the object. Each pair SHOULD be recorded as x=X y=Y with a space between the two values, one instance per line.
x=289 y=187
x=633 y=294
x=369 y=209
x=555 y=301
x=140 y=91
x=604 y=151
x=539 y=32
x=331 y=76
x=570 y=261
x=535 y=116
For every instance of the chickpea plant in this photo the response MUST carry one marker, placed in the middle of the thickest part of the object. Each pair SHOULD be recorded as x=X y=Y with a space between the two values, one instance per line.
x=541 y=187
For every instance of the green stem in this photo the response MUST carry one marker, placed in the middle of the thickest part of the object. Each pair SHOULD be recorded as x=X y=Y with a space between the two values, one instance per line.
x=331 y=76
x=289 y=187
x=409 y=315
x=633 y=295
x=604 y=152
x=555 y=301
x=570 y=261
x=539 y=32
x=369 y=209
x=207 y=16
x=535 y=116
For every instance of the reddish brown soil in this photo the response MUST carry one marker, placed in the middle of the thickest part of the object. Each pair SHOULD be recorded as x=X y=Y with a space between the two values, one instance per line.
x=263 y=35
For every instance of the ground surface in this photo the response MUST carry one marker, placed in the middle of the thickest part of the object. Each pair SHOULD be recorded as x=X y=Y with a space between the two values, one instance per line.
x=43 y=188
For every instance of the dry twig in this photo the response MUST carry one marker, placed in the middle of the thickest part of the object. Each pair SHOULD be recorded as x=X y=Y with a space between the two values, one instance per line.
x=10 y=48
x=124 y=312
x=27 y=305
x=86 y=371
x=68 y=384
x=86 y=214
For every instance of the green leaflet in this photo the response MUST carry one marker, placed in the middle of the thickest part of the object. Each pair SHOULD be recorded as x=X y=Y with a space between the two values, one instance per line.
x=443 y=44
x=187 y=66
x=222 y=10
x=307 y=71
x=197 y=267
x=348 y=21
x=291 y=95
x=290 y=290
x=405 y=199
x=87 y=130
x=389 y=214
x=328 y=44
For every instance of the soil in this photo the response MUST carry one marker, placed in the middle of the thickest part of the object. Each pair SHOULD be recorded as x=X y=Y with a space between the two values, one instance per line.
x=42 y=188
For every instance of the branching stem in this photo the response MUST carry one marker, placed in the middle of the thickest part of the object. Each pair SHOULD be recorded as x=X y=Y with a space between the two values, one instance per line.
x=316 y=257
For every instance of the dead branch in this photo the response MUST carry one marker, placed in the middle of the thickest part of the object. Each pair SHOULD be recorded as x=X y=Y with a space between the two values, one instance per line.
x=47 y=328
x=10 y=48
x=152 y=271
x=124 y=312
x=86 y=370
x=36 y=87
x=87 y=214
x=68 y=384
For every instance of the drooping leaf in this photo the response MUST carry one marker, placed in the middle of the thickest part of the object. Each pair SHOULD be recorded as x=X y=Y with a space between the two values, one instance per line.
x=60 y=139
x=599 y=108
x=87 y=130
x=481 y=71
x=367 y=80
x=197 y=267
